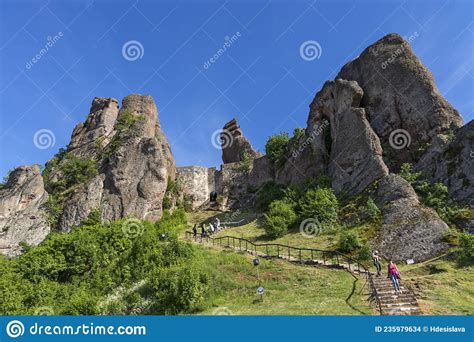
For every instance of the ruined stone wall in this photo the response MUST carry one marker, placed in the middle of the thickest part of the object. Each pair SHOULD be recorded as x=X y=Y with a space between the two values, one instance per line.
x=195 y=184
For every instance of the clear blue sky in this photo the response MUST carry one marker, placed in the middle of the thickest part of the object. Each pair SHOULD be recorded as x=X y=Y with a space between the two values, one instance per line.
x=261 y=79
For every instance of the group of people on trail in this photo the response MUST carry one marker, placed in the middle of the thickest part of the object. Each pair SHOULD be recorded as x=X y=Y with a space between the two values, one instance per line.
x=213 y=228
x=392 y=271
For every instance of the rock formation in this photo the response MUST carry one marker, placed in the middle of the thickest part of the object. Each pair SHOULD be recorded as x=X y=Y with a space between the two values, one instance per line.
x=134 y=159
x=98 y=129
x=409 y=230
x=400 y=93
x=22 y=210
x=234 y=145
x=450 y=160
x=355 y=151
x=349 y=138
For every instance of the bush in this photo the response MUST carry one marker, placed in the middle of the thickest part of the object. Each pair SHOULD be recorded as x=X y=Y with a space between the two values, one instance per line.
x=365 y=252
x=349 y=242
x=371 y=211
x=465 y=253
x=321 y=204
x=93 y=218
x=280 y=216
x=245 y=164
x=436 y=196
x=276 y=148
x=73 y=273
x=178 y=289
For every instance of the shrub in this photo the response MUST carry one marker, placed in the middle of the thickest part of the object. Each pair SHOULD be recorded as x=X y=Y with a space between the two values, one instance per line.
x=276 y=148
x=280 y=216
x=245 y=164
x=167 y=202
x=349 y=242
x=365 y=252
x=93 y=218
x=321 y=204
x=465 y=253
x=178 y=289
x=436 y=196
x=371 y=211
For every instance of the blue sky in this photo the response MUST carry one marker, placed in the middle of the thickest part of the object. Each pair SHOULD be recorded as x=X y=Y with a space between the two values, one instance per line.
x=261 y=79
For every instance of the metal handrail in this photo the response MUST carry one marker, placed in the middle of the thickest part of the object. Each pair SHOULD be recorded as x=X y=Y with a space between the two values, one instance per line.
x=325 y=253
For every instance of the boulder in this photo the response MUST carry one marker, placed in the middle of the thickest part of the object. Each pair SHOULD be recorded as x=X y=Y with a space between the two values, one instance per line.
x=234 y=145
x=355 y=154
x=402 y=103
x=22 y=210
x=409 y=230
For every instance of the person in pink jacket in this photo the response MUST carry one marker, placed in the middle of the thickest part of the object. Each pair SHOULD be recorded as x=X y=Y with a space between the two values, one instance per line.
x=394 y=275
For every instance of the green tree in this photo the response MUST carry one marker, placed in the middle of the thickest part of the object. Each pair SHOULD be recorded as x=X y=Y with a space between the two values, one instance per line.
x=279 y=218
x=321 y=204
x=276 y=147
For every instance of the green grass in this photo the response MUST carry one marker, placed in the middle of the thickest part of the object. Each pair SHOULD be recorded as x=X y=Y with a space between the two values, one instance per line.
x=289 y=289
x=441 y=287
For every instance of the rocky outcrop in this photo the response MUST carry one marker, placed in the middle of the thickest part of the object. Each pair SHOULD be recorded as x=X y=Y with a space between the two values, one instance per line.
x=450 y=160
x=355 y=156
x=134 y=165
x=234 y=145
x=22 y=210
x=400 y=94
x=307 y=156
x=409 y=230
x=90 y=137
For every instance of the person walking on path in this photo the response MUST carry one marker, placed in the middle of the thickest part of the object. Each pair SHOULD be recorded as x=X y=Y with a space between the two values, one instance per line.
x=394 y=275
x=195 y=231
x=203 y=231
x=377 y=264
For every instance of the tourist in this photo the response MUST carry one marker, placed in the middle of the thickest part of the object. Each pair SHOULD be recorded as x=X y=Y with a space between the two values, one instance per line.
x=376 y=259
x=203 y=231
x=195 y=231
x=217 y=224
x=211 y=228
x=394 y=275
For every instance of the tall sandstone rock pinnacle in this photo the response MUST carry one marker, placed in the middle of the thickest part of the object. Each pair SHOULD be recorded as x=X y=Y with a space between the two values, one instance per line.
x=234 y=145
x=400 y=93
x=134 y=158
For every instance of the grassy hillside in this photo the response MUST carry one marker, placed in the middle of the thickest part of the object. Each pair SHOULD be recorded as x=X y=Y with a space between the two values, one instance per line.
x=441 y=286
x=289 y=289
x=131 y=267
